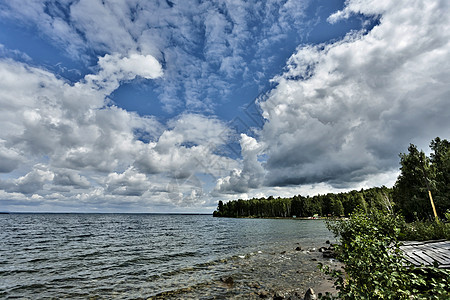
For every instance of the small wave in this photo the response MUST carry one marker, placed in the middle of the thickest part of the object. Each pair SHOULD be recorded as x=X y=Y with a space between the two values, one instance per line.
x=175 y=293
x=43 y=241
x=195 y=268
x=168 y=257
x=20 y=271
x=31 y=287
x=81 y=237
x=37 y=260
x=89 y=254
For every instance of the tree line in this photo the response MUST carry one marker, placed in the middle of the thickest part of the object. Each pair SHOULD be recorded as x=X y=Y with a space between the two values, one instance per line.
x=341 y=204
x=419 y=177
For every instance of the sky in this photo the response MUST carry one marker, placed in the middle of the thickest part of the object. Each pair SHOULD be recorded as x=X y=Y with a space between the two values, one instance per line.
x=171 y=106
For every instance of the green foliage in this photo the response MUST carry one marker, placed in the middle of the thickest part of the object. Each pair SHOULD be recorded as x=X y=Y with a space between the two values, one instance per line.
x=447 y=215
x=323 y=205
x=337 y=209
x=375 y=268
x=419 y=174
x=425 y=230
x=410 y=191
x=440 y=164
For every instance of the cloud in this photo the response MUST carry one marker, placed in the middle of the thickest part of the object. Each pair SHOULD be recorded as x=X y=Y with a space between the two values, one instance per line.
x=251 y=174
x=70 y=178
x=48 y=18
x=9 y=158
x=30 y=183
x=106 y=26
x=14 y=54
x=128 y=183
x=115 y=68
x=71 y=124
x=189 y=145
x=61 y=131
x=185 y=192
x=127 y=68
x=337 y=118
x=64 y=146
x=204 y=47
x=343 y=111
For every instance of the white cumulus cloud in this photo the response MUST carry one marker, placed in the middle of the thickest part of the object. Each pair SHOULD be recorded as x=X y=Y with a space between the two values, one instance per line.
x=250 y=176
x=115 y=68
x=344 y=111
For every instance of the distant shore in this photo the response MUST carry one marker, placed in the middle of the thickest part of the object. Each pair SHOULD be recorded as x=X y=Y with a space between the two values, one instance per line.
x=282 y=218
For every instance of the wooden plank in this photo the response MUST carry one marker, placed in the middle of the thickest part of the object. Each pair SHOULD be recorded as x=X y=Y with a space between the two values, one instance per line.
x=444 y=244
x=418 y=260
x=440 y=247
x=413 y=261
x=432 y=242
x=440 y=250
x=410 y=243
x=424 y=257
x=408 y=250
x=440 y=259
x=427 y=253
x=441 y=255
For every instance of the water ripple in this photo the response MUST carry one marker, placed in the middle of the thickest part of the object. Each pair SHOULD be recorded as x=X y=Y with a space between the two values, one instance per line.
x=128 y=256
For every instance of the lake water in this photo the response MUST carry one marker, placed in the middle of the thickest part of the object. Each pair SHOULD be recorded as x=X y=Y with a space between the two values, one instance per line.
x=139 y=256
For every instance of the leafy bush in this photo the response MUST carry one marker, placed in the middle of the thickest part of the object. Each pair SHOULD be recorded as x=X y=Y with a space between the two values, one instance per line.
x=375 y=268
x=425 y=230
x=447 y=215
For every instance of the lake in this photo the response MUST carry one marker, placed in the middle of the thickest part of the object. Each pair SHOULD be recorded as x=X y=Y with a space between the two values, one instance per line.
x=133 y=256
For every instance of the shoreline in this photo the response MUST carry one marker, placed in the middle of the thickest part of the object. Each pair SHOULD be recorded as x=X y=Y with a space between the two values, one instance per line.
x=285 y=273
x=285 y=218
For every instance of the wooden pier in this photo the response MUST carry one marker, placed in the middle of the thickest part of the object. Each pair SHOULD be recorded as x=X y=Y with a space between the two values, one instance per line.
x=428 y=253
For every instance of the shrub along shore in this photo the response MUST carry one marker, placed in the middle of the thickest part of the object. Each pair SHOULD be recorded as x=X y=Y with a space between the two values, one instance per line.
x=377 y=220
x=374 y=265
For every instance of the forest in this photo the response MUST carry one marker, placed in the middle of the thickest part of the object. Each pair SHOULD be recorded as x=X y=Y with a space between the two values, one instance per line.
x=421 y=177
